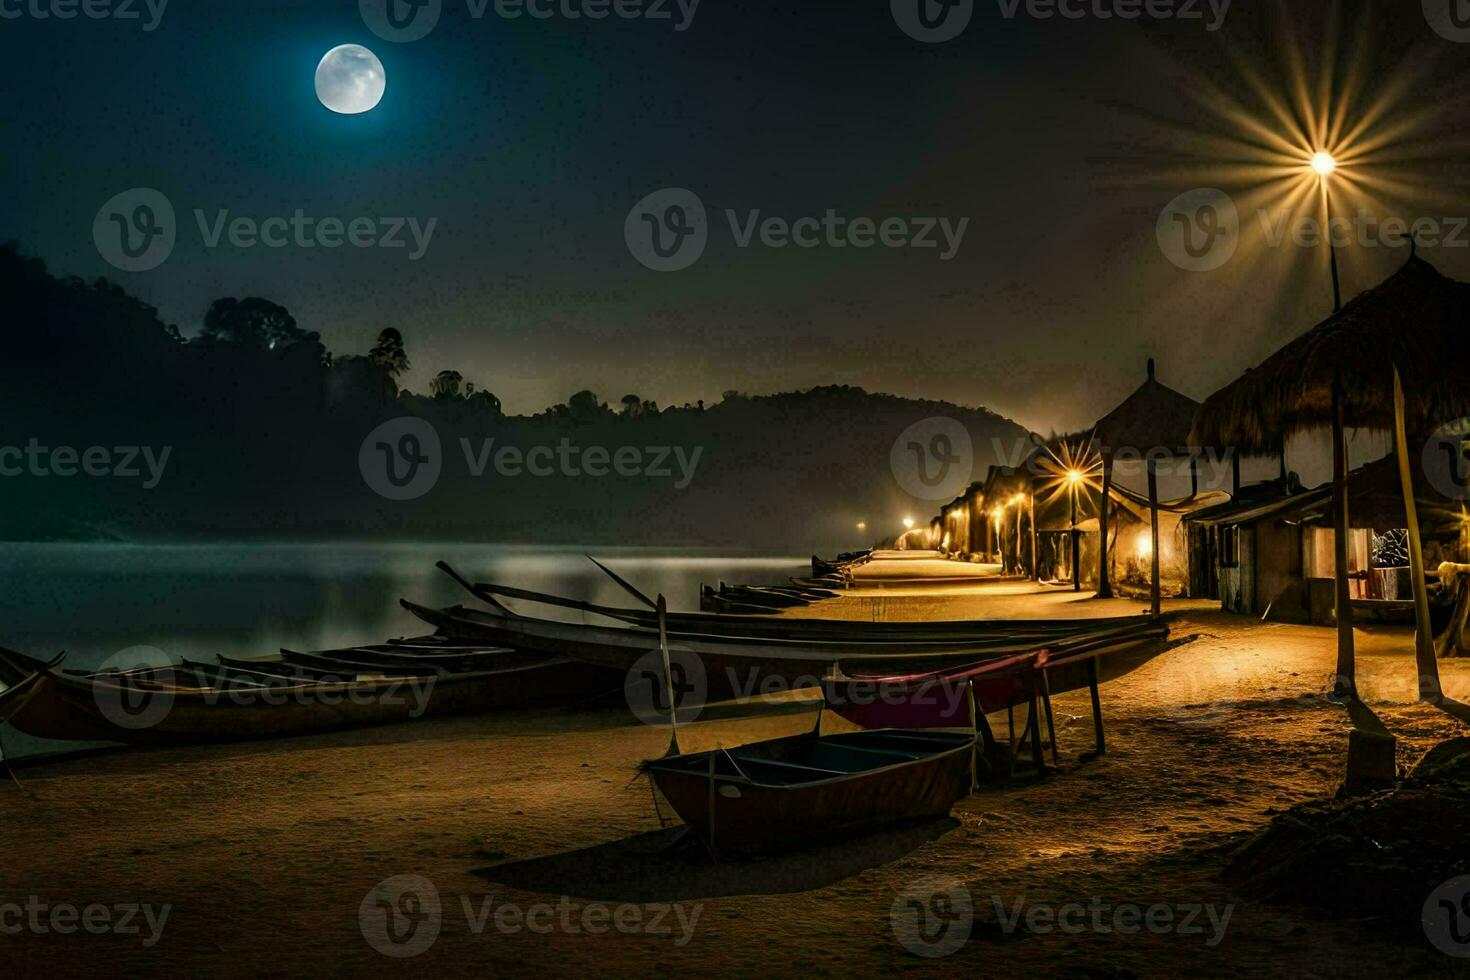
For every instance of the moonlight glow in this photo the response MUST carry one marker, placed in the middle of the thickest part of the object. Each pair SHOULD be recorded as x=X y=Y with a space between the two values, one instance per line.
x=350 y=79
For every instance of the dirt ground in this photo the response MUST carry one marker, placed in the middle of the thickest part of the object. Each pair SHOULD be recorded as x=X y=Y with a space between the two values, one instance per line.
x=542 y=845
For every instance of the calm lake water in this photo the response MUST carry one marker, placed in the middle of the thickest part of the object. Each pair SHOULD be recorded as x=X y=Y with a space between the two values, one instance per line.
x=96 y=600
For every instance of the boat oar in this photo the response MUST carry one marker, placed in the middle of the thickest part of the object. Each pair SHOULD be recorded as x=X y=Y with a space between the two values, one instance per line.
x=474 y=590
x=626 y=585
x=663 y=645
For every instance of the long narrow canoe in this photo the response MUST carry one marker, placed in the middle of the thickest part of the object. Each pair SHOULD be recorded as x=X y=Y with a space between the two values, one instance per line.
x=741 y=662
x=772 y=794
x=786 y=627
x=184 y=704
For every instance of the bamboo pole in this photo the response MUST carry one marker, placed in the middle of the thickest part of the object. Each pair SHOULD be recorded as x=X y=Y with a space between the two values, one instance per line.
x=1429 y=687
x=663 y=646
x=1346 y=685
x=1155 y=590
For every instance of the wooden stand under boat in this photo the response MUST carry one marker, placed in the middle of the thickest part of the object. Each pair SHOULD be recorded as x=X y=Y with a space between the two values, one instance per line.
x=784 y=791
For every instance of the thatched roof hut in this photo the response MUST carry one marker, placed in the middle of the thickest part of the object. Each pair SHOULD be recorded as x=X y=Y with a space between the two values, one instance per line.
x=1416 y=319
x=1155 y=416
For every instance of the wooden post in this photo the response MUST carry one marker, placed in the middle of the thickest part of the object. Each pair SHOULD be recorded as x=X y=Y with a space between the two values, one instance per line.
x=1097 y=717
x=1234 y=473
x=1051 y=724
x=1429 y=688
x=1034 y=724
x=1346 y=685
x=1035 y=564
x=663 y=646
x=1104 y=586
x=1155 y=591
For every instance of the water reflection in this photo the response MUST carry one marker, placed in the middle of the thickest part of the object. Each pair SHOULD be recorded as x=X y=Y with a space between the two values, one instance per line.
x=251 y=599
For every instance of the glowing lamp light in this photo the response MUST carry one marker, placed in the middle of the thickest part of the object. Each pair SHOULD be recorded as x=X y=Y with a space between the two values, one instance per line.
x=1323 y=163
x=1018 y=499
x=908 y=522
x=862 y=525
x=1074 y=476
x=1145 y=548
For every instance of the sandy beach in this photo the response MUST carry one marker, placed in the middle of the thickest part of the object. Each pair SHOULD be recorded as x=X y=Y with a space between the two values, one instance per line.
x=542 y=843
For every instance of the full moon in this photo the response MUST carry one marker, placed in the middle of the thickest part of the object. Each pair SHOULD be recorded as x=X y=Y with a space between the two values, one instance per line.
x=350 y=79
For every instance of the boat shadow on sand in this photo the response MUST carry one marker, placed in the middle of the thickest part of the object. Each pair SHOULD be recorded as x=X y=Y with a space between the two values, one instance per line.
x=657 y=867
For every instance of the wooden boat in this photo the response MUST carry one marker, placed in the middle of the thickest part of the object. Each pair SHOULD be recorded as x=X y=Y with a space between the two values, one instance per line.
x=786 y=628
x=840 y=566
x=731 y=663
x=253 y=699
x=784 y=791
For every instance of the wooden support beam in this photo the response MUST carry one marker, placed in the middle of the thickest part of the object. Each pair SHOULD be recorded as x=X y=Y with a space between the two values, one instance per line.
x=1346 y=684
x=1104 y=584
x=1097 y=716
x=1155 y=591
x=1424 y=659
x=1051 y=725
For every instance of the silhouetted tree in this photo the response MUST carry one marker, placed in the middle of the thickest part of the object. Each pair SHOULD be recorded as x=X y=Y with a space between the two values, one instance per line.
x=389 y=354
x=446 y=384
x=632 y=405
x=584 y=406
x=253 y=324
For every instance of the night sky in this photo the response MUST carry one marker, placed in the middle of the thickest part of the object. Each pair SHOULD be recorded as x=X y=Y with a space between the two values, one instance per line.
x=529 y=140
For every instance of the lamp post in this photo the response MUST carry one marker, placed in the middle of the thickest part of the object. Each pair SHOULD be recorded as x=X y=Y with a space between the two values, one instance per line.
x=1323 y=165
x=1074 y=477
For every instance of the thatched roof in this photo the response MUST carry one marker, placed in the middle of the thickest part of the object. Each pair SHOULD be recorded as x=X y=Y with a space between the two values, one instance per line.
x=1153 y=417
x=1416 y=319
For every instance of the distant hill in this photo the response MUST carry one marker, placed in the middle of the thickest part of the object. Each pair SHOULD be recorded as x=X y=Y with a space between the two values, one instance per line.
x=120 y=427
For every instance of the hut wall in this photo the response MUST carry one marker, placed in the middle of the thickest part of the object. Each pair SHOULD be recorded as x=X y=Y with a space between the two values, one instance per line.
x=1281 y=587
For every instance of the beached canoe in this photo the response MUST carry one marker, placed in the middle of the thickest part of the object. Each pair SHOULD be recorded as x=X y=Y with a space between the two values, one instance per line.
x=248 y=699
x=784 y=791
x=620 y=646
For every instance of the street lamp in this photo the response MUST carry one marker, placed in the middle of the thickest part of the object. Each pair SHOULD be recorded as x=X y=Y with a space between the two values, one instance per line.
x=1324 y=164
x=1074 y=479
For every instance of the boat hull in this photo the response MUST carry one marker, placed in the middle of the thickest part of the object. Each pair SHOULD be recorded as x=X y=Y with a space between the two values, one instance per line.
x=745 y=816
x=141 y=713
